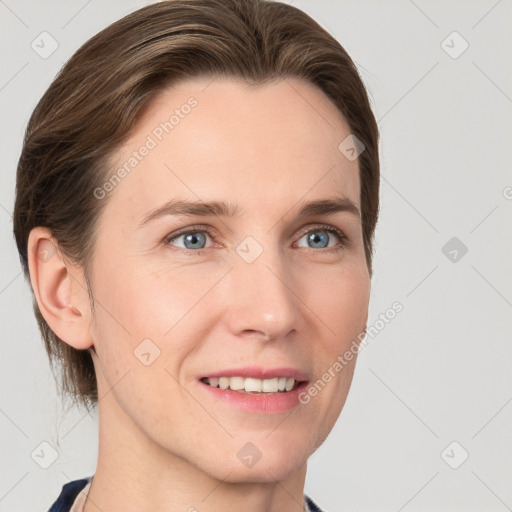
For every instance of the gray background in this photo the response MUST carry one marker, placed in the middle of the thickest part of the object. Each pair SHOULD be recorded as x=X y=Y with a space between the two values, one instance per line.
x=440 y=371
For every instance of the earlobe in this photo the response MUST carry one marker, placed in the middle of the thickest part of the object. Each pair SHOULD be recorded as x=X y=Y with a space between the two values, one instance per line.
x=61 y=294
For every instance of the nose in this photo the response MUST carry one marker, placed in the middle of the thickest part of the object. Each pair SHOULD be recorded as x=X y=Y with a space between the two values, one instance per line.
x=263 y=300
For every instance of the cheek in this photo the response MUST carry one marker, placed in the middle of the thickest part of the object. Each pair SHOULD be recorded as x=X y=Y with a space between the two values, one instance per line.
x=167 y=307
x=163 y=301
x=135 y=309
x=141 y=302
x=339 y=297
x=128 y=312
x=340 y=302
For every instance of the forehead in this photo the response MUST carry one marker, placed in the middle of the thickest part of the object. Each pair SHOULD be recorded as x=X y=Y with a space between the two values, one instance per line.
x=262 y=147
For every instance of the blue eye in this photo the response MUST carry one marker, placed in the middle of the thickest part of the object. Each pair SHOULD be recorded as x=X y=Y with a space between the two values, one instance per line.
x=320 y=237
x=192 y=240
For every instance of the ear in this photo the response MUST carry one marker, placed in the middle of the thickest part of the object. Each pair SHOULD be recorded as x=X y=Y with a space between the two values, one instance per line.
x=60 y=290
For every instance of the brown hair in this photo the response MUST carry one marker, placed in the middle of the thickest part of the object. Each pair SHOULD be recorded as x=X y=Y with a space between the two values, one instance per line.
x=97 y=97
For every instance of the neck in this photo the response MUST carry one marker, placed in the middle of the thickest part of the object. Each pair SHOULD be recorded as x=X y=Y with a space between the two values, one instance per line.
x=134 y=473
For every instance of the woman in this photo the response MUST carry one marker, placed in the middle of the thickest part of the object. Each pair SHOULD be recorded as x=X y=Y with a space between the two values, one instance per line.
x=196 y=200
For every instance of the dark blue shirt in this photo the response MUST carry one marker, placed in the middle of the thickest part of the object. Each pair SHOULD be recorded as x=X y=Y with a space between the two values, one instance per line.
x=71 y=490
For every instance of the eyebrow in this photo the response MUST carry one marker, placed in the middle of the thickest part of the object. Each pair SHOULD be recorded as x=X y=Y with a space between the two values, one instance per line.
x=212 y=208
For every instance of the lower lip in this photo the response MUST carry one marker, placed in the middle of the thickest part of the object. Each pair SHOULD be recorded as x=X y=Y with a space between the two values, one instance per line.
x=270 y=403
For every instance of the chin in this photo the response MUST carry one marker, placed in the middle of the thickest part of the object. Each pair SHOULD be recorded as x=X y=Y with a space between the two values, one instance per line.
x=274 y=464
x=262 y=472
x=250 y=464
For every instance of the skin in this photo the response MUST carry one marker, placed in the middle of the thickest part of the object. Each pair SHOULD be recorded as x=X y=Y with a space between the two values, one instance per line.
x=163 y=443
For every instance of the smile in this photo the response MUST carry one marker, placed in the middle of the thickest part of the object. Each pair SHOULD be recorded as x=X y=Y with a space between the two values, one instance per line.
x=253 y=385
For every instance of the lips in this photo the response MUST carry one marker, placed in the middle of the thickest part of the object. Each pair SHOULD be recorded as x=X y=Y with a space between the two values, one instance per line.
x=257 y=372
x=252 y=385
x=255 y=402
x=256 y=379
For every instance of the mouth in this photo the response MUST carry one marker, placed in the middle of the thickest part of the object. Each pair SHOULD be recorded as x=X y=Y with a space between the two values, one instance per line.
x=251 y=385
x=256 y=389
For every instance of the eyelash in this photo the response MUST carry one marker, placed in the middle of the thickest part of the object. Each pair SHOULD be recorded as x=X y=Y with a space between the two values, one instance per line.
x=343 y=240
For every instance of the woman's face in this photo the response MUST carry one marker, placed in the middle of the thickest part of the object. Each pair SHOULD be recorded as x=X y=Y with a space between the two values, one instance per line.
x=266 y=292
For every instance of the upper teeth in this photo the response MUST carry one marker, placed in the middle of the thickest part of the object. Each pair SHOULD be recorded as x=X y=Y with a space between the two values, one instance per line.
x=252 y=385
